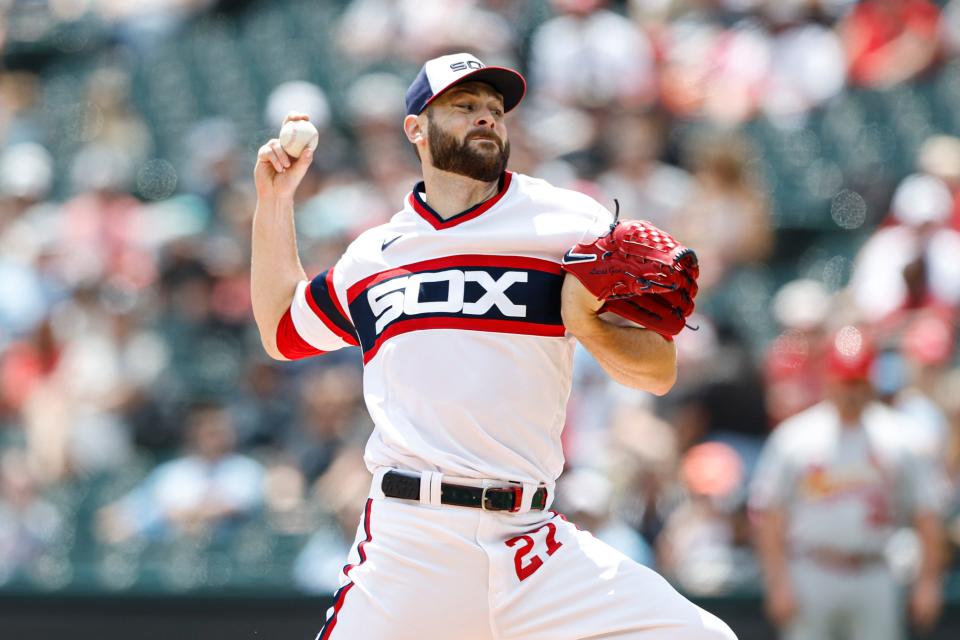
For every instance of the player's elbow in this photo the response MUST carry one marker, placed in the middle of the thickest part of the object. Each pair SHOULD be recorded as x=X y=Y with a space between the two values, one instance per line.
x=268 y=338
x=269 y=343
x=657 y=381
x=661 y=386
x=660 y=382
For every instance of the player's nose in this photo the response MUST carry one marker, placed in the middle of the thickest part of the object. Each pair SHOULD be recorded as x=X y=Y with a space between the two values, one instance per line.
x=485 y=119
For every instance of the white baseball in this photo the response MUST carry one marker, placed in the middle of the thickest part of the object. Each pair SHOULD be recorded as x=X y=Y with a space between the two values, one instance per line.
x=297 y=135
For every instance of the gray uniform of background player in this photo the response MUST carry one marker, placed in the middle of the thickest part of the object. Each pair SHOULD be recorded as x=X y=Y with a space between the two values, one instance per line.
x=843 y=491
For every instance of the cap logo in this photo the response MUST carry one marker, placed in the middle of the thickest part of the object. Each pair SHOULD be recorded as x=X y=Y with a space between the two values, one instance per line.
x=466 y=64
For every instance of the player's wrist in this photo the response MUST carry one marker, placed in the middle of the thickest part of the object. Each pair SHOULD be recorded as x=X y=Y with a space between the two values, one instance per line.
x=273 y=199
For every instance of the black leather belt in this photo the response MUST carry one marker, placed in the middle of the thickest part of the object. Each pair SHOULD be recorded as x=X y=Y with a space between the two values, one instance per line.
x=406 y=485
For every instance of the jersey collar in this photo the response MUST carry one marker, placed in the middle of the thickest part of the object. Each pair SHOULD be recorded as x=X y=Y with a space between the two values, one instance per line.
x=423 y=209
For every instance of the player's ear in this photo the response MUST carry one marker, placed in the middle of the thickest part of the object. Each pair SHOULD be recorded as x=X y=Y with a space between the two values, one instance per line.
x=414 y=129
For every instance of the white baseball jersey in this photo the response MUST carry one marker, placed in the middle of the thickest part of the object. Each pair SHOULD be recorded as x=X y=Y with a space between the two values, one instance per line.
x=845 y=489
x=467 y=367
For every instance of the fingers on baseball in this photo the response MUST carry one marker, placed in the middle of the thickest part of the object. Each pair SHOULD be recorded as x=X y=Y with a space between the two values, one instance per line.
x=281 y=159
x=295 y=115
x=266 y=155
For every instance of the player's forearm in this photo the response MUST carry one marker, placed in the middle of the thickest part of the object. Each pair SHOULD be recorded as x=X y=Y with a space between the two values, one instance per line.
x=930 y=533
x=632 y=356
x=770 y=532
x=275 y=267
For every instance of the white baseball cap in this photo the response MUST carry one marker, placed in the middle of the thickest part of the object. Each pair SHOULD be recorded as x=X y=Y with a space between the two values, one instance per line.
x=440 y=74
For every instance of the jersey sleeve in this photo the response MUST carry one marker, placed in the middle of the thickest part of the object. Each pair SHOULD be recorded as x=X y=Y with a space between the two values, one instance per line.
x=925 y=487
x=773 y=478
x=317 y=321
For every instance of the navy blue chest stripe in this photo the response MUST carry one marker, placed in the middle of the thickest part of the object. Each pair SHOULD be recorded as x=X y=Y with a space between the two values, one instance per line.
x=477 y=294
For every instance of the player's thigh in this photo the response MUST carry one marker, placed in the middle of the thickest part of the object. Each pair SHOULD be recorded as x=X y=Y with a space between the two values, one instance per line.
x=414 y=573
x=878 y=614
x=553 y=582
x=819 y=600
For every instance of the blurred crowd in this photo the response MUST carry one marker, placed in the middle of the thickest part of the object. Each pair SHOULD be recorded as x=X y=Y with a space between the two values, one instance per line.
x=137 y=409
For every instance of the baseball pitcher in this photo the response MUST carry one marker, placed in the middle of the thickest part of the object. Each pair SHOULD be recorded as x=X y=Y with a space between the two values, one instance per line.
x=466 y=324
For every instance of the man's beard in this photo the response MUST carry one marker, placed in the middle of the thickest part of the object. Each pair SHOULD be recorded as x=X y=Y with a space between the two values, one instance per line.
x=449 y=154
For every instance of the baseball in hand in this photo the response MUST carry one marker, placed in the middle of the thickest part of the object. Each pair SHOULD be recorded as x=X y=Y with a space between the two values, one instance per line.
x=297 y=135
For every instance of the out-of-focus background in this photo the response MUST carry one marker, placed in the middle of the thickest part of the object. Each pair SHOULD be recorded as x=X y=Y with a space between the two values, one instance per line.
x=153 y=459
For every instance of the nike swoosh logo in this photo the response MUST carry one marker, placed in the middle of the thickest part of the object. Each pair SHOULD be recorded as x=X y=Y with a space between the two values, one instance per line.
x=387 y=243
x=570 y=256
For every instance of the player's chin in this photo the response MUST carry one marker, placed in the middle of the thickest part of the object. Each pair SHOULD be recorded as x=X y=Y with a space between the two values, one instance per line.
x=482 y=145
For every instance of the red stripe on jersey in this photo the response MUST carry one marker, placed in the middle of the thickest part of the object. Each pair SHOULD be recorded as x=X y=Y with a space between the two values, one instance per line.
x=328 y=323
x=468 y=324
x=470 y=214
x=342 y=594
x=289 y=341
x=463 y=261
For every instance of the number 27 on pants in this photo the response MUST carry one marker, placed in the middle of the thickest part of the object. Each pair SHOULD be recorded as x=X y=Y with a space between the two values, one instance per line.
x=526 y=567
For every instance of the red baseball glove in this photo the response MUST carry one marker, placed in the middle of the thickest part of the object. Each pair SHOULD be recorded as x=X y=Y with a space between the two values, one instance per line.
x=640 y=272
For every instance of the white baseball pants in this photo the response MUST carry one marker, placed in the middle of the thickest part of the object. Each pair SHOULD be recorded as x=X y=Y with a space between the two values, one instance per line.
x=435 y=572
x=837 y=603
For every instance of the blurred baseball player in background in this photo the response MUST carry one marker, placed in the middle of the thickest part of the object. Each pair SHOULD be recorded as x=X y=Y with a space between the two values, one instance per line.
x=832 y=485
x=466 y=324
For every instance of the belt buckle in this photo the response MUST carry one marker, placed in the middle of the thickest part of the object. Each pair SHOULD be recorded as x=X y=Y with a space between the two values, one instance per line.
x=517 y=498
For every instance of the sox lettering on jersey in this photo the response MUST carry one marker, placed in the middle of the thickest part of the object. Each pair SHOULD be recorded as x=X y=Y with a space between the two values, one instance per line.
x=401 y=296
x=481 y=293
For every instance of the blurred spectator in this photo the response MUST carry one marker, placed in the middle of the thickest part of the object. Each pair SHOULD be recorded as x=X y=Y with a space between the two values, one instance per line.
x=688 y=44
x=261 y=407
x=807 y=61
x=890 y=41
x=948 y=396
x=907 y=377
x=704 y=546
x=589 y=56
x=725 y=403
x=30 y=527
x=110 y=119
x=416 y=30
x=145 y=23
x=726 y=217
x=28 y=363
x=793 y=362
x=201 y=318
x=939 y=156
x=300 y=96
x=208 y=490
x=911 y=263
x=331 y=414
x=951 y=26
x=642 y=456
x=27 y=224
x=102 y=234
x=646 y=187
x=77 y=418
x=340 y=494
x=585 y=496
x=833 y=483
x=20 y=113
